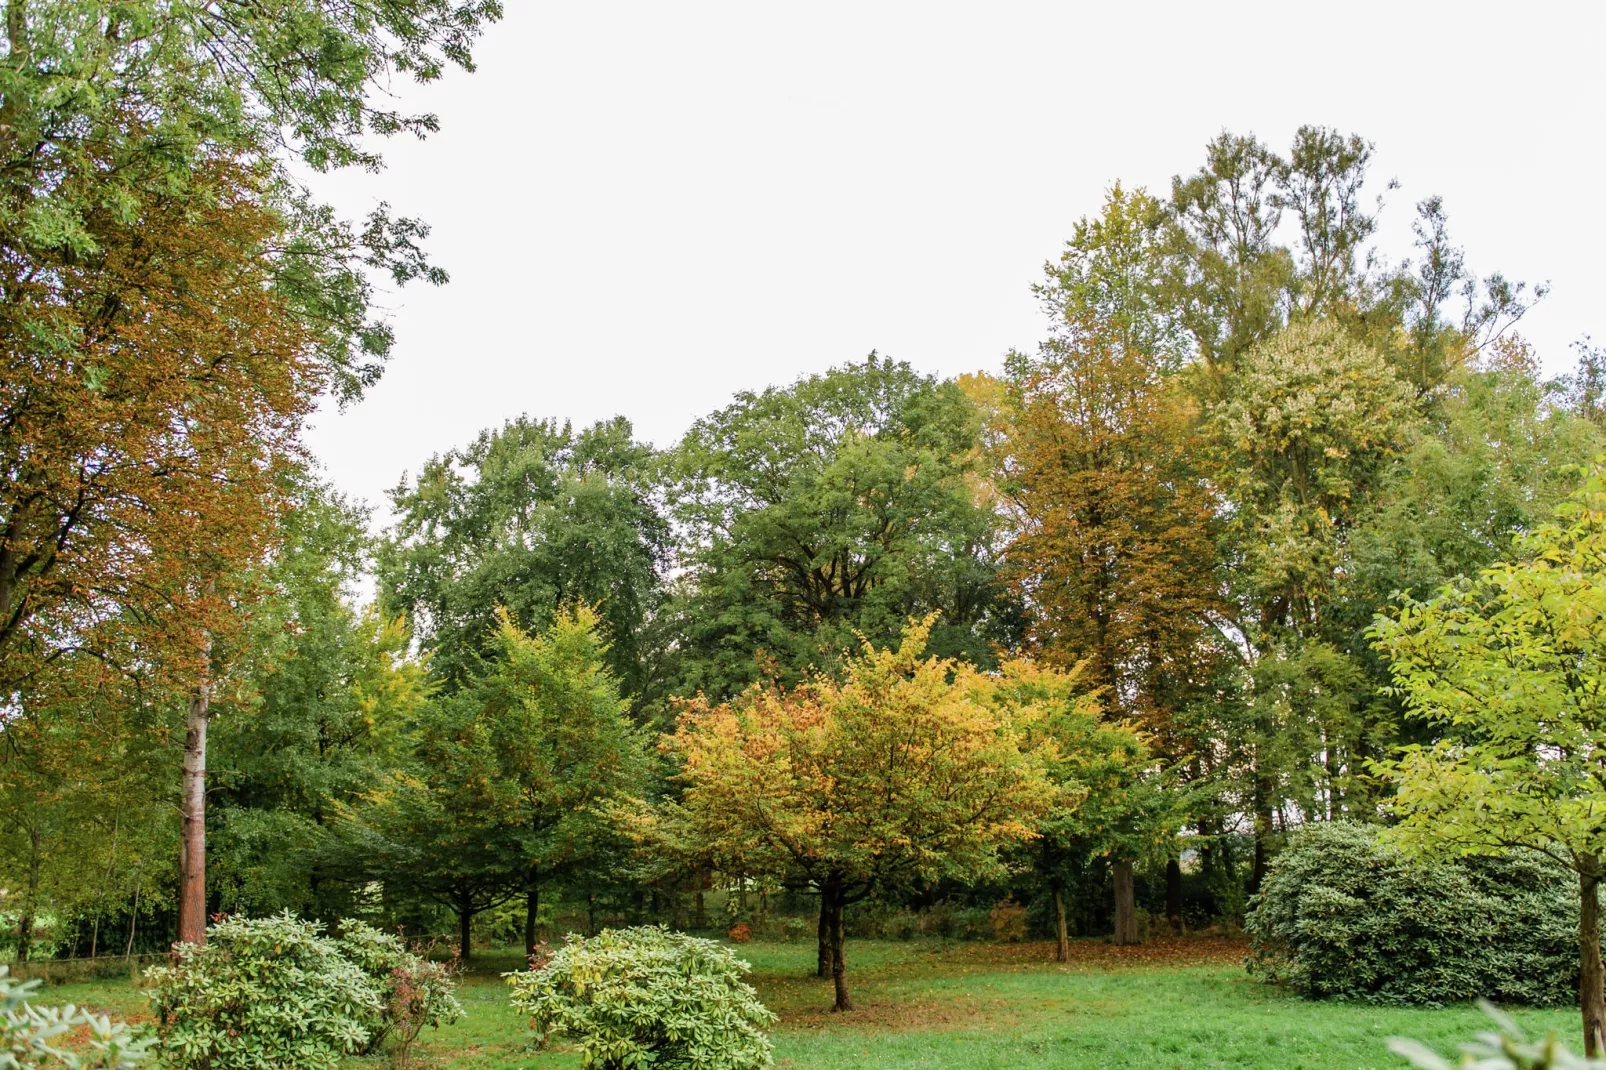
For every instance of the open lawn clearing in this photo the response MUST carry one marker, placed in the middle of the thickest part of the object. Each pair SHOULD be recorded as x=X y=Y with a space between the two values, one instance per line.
x=966 y=1006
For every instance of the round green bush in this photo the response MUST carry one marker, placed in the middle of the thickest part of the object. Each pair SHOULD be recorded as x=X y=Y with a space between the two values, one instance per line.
x=263 y=992
x=1342 y=915
x=634 y=998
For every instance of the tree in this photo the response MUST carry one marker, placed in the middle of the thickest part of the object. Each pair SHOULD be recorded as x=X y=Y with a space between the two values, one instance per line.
x=529 y=518
x=844 y=503
x=1509 y=667
x=1114 y=799
x=174 y=302
x=565 y=745
x=161 y=88
x=1304 y=438
x=1115 y=544
x=902 y=773
x=510 y=775
x=324 y=696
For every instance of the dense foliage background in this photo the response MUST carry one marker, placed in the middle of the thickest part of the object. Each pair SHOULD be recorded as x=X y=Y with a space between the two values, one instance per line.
x=1074 y=648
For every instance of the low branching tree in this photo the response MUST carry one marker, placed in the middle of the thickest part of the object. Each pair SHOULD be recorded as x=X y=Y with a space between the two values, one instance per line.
x=902 y=773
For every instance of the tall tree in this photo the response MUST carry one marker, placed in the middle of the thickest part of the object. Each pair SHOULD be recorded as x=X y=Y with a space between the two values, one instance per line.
x=844 y=503
x=531 y=517
x=1304 y=439
x=1509 y=669
x=1116 y=526
x=174 y=302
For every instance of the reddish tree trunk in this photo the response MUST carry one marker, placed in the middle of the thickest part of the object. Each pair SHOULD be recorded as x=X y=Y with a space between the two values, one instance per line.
x=192 y=859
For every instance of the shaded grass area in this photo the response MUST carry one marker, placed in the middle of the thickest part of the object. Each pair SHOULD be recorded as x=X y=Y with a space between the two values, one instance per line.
x=1183 y=1004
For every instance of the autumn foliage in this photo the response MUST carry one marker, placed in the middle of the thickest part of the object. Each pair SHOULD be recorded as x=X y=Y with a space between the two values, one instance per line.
x=151 y=395
x=901 y=772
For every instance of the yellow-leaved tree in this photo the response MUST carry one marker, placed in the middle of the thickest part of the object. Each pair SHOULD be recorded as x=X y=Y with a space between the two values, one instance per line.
x=898 y=772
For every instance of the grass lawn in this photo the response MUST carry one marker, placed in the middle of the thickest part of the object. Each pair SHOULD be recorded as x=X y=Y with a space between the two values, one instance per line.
x=1183 y=1004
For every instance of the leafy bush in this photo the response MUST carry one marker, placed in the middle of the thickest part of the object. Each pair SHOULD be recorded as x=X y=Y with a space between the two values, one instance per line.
x=263 y=992
x=1007 y=920
x=415 y=992
x=1342 y=915
x=30 y=1035
x=647 y=996
x=1505 y=1049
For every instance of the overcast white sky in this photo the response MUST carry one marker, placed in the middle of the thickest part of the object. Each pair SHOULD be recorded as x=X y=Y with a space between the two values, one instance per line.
x=646 y=207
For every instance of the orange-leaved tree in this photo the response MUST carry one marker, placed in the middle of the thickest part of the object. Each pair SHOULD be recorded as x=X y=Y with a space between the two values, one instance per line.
x=151 y=393
x=900 y=773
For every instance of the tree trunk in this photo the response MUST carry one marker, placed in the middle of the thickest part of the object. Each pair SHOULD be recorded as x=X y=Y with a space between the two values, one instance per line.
x=192 y=856
x=1062 y=936
x=133 y=918
x=591 y=913
x=1591 y=980
x=532 y=907
x=25 y=919
x=1173 y=895
x=465 y=920
x=700 y=911
x=824 y=956
x=839 y=962
x=1263 y=829
x=1126 y=906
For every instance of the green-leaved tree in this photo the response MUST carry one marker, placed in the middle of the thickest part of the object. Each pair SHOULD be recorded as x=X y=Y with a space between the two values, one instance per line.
x=1510 y=668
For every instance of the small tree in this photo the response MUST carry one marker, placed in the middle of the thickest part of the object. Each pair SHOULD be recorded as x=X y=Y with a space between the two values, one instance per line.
x=903 y=772
x=1512 y=666
x=1114 y=801
x=509 y=772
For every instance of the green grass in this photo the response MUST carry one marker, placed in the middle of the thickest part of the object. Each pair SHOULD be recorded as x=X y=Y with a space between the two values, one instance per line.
x=976 y=1007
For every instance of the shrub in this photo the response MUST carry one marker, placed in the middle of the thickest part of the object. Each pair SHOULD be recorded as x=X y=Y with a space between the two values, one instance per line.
x=263 y=992
x=30 y=1035
x=647 y=996
x=415 y=992
x=1007 y=920
x=1341 y=915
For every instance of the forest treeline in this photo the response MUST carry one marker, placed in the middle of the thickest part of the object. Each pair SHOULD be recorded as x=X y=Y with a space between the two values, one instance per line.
x=1106 y=618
